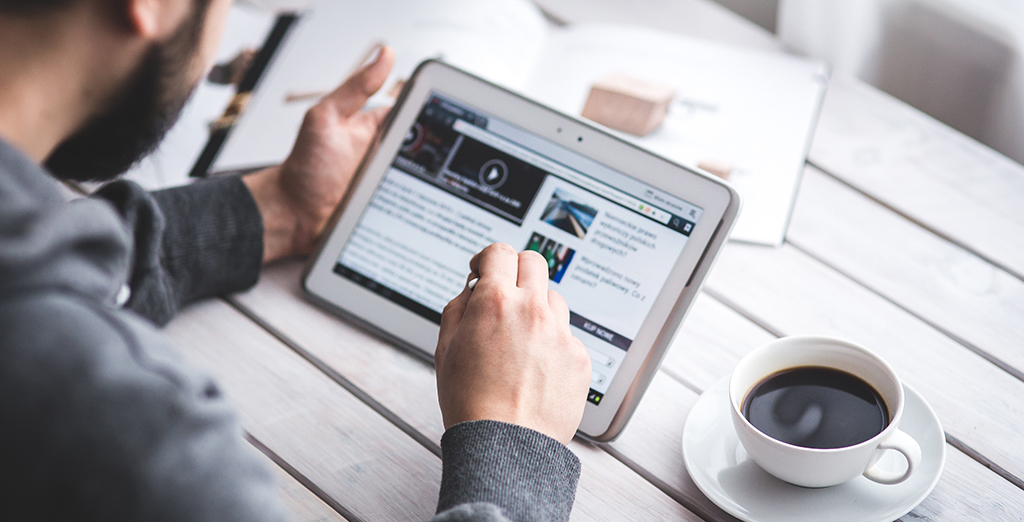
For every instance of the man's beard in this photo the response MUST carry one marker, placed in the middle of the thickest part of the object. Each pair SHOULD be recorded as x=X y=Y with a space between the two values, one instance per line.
x=137 y=118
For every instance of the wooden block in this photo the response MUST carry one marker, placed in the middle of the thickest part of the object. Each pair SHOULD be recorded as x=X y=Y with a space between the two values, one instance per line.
x=628 y=104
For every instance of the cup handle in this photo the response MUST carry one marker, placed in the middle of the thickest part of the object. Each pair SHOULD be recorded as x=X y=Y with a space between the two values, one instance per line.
x=904 y=444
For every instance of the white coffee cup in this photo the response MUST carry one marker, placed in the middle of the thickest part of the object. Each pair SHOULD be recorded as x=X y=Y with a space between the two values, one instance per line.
x=813 y=467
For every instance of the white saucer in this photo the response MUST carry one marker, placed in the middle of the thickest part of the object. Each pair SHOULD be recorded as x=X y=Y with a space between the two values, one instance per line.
x=725 y=473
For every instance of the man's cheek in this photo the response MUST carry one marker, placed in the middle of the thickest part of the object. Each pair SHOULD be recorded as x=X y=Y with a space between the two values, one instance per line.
x=213 y=31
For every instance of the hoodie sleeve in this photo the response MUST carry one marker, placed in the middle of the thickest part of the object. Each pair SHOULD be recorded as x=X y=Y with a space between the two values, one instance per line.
x=188 y=242
x=499 y=472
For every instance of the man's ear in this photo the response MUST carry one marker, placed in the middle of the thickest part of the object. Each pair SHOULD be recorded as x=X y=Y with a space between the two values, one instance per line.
x=154 y=19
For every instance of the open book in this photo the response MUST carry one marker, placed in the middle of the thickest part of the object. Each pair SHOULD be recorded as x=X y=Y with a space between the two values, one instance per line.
x=753 y=110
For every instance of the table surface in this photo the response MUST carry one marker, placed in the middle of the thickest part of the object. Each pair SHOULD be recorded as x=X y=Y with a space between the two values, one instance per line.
x=907 y=237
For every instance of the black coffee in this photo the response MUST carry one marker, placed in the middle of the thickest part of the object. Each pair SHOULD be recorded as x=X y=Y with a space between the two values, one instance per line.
x=816 y=407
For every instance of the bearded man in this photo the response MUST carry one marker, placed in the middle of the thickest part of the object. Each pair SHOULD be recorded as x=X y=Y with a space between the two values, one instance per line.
x=99 y=418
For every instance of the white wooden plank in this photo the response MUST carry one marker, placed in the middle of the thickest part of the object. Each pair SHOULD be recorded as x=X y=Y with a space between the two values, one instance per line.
x=935 y=279
x=713 y=339
x=969 y=491
x=608 y=490
x=361 y=460
x=301 y=503
x=653 y=441
x=977 y=402
x=924 y=169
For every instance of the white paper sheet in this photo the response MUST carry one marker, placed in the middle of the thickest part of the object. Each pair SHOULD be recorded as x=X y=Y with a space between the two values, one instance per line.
x=751 y=109
x=496 y=39
x=754 y=110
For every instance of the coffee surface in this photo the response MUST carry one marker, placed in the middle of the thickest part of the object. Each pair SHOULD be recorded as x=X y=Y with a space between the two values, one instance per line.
x=816 y=407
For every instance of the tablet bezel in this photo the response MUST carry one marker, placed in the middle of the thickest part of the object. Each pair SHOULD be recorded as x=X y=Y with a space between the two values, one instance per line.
x=720 y=204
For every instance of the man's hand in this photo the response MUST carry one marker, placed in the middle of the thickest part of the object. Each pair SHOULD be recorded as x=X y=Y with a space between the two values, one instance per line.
x=505 y=351
x=298 y=197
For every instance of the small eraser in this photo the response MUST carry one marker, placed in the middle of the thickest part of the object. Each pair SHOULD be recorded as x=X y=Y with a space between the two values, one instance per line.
x=628 y=104
x=716 y=167
x=472 y=283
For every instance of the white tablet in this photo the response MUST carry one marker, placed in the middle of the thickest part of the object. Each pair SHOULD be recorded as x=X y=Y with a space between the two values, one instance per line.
x=629 y=237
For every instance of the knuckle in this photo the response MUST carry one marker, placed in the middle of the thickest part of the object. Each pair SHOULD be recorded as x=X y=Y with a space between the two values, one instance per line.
x=556 y=298
x=318 y=116
x=538 y=266
x=501 y=249
x=366 y=84
x=447 y=310
x=536 y=311
x=531 y=256
x=499 y=302
x=446 y=316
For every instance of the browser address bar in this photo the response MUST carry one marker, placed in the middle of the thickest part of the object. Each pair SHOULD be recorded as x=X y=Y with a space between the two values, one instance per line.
x=504 y=145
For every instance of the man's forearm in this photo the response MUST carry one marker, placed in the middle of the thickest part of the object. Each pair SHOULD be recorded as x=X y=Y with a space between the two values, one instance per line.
x=188 y=242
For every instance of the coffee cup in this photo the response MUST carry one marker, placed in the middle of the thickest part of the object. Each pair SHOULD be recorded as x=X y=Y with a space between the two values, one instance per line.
x=816 y=405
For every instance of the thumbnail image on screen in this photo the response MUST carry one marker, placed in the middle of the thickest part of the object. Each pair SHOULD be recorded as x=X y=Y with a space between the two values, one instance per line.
x=556 y=254
x=568 y=214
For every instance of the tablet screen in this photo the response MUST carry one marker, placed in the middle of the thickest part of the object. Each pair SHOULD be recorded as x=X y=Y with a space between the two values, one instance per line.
x=463 y=179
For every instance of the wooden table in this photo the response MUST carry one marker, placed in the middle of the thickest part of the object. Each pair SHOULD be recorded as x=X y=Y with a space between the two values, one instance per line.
x=907 y=237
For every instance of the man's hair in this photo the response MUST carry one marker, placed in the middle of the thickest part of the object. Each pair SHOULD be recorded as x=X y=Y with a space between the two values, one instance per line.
x=32 y=6
x=42 y=6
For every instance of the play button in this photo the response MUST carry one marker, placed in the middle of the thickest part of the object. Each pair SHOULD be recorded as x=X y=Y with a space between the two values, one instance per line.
x=413 y=138
x=494 y=173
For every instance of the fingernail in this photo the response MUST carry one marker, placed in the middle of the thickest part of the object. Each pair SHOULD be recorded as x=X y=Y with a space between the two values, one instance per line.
x=374 y=55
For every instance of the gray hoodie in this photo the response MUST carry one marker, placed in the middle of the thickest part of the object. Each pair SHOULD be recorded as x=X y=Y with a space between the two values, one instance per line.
x=100 y=419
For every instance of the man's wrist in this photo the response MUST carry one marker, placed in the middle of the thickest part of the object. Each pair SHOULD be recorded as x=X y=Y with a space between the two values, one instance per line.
x=280 y=224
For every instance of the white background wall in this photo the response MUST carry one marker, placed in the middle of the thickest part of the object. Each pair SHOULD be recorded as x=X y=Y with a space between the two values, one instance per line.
x=957 y=60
